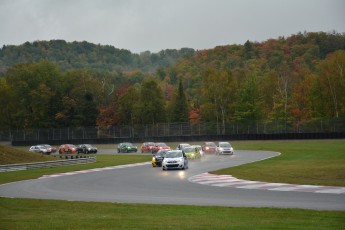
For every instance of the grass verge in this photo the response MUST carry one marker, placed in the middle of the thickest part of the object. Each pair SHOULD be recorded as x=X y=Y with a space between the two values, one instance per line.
x=10 y=155
x=50 y=214
x=102 y=161
x=314 y=162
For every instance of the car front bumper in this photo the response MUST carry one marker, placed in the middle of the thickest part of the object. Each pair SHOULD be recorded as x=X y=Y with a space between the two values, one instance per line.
x=173 y=165
x=229 y=152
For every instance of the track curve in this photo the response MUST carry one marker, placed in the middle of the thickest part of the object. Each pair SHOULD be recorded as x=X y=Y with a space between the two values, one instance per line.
x=141 y=183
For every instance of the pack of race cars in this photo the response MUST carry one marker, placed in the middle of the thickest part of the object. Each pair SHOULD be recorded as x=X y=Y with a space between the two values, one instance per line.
x=163 y=155
x=178 y=158
x=167 y=158
x=64 y=149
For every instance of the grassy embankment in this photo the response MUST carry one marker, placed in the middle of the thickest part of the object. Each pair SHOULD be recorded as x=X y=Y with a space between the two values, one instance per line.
x=9 y=155
x=22 y=156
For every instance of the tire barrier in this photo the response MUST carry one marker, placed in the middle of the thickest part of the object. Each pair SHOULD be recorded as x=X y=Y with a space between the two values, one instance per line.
x=48 y=164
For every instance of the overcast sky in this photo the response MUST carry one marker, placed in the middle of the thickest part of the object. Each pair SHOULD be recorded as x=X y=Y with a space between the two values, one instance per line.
x=140 y=25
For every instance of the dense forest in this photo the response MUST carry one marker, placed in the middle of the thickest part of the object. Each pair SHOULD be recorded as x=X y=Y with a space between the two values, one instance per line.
x=78 y=55
x=48 y=84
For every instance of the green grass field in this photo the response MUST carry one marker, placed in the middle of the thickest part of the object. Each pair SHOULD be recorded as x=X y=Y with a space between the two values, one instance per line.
x=46 y=214
x=316 y=162
x=307 y=162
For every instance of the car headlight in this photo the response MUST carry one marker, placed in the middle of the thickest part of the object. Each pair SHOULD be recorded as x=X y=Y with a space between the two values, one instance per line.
x=153 y=158
x=89 y=149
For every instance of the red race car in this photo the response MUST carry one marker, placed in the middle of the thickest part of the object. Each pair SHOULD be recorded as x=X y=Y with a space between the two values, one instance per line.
x=67 y=148
x=146 y=147
x=159 y=146
x=209 y=147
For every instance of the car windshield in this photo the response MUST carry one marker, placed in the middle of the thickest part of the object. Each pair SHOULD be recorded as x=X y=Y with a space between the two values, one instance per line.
x=173 y=154
x=210 y=144
x=226 y=145
x=188 y=149
x=160 y=153
x=161 y=144
x=197 y=147
x=88 y=146
x=128 y=144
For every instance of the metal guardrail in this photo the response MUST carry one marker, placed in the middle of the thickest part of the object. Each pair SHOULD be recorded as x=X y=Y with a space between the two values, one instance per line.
x=46 y=164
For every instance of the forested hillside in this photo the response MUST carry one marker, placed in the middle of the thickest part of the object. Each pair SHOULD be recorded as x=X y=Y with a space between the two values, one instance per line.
x=75 y=55
x=297 y=79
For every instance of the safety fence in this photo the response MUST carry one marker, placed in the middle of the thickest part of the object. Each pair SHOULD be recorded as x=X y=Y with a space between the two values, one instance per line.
x=336 y=125
x=48 y=164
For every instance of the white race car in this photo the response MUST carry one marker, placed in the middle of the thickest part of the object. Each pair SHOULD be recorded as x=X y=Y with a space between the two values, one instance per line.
x=175 y=159
x=225 y=148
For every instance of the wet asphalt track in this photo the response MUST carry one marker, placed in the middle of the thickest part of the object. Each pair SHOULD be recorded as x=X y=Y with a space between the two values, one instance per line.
x=145 y=184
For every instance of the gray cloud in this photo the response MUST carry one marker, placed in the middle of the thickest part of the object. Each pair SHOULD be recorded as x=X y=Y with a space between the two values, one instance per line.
x=140 y=25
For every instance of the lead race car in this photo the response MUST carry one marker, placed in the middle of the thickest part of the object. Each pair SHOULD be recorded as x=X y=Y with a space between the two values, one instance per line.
x=175 y=159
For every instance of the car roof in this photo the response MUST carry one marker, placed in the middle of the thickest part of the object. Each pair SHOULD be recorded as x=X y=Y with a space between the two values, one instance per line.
x=188 y=148
x=209 y=143
x=175 y=150
x=162 y=151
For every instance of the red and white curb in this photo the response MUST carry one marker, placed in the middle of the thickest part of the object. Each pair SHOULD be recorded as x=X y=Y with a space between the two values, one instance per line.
x=93 y=170
x=233 y=182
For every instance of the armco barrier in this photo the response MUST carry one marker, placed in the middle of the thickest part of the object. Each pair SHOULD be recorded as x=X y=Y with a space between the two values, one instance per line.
x=47 y=164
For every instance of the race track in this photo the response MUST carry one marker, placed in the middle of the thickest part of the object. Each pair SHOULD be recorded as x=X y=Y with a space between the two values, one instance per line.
x=144 y=184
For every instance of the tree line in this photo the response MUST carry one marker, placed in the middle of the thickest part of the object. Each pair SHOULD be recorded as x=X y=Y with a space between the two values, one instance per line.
x=79 y=55
x=296 y=79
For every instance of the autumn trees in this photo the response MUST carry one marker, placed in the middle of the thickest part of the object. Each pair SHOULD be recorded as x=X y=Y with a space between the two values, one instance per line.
x=332 y=81
x=292 y=80
x=30 y=92
x=218 y=91
x=39 y=95
x=80 y=55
